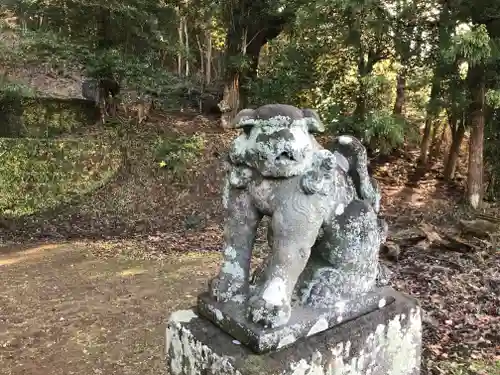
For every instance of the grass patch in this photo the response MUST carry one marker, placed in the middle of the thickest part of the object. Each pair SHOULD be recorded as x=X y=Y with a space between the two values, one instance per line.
x=40 y=174
x=470 y=368
x=48 y=117
x=36 y=117
x=175 y=154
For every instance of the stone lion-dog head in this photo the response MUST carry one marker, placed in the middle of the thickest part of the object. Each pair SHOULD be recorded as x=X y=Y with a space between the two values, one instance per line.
x=276 y=139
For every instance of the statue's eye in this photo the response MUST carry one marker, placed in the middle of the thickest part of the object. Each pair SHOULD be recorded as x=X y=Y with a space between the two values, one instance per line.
x=247 y=129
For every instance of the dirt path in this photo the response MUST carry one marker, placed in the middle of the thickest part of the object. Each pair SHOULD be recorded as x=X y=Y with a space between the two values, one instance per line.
x=65 y=311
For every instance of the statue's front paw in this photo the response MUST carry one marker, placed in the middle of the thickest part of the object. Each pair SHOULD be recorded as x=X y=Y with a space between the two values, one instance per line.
x=223 y=288
x=268 y=314
x=270 y=306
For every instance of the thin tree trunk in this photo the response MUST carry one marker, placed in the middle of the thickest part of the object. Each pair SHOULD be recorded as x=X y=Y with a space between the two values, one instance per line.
x=400 y=94
x=476 y=142
x=431 y=114
x=458 y=133
x=181 y=45
x=219 y=66
x=202 y=59
x=360 y=110
x=186 y=45
x=365 y=68
x=437 y=140
x=208 y=64
x=65 y=16
x=426 y=141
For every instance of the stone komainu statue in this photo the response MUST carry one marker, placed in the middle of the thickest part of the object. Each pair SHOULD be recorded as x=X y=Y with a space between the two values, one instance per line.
x=324 y=232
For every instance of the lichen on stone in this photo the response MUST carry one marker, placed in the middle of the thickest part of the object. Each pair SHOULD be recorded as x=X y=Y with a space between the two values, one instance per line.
x=187 y=355
x=392 y=349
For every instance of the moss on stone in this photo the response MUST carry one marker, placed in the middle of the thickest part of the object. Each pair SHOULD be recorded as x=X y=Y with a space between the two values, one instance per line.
x=254 y=364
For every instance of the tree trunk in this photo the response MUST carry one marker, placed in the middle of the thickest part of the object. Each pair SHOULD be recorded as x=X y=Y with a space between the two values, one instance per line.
x=243 y=75
x=439 y=134
x=181 y=46
x=186 y=45
x=433 y=105
x=230 y=103
x=208 y=64
x=475 y=173
x=65 y=17
x=365 y=68
x=219 y=66
x=104 y=29
x=246 y=35
x=360 y=110
x=426 y=142
x=457 y=133
x=431 y=114
x=202 y=60
x=400 y=94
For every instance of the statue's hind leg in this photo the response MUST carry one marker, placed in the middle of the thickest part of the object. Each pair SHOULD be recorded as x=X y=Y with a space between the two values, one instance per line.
x=349 y=251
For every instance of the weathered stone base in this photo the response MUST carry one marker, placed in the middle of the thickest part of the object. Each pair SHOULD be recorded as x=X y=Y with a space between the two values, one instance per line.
x=386 y=341
x=231 y=317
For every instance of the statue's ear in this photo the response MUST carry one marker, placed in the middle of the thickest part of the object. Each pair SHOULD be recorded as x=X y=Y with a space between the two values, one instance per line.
x=314 y=123
x=244 y=118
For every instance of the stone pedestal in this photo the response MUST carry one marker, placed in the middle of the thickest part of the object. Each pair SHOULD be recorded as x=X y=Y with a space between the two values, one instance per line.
x=305 y=321
x=386 y=341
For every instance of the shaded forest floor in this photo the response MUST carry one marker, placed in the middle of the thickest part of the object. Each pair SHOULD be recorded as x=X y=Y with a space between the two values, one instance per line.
x=96 y=280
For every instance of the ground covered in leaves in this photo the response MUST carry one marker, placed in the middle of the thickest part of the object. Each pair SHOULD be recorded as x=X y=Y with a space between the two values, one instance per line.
x=444 y=257
x=67 y=311
x=96 y=278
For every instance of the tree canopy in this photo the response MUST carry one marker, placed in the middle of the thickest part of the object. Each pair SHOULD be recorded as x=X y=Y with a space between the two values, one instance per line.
x=391 y=72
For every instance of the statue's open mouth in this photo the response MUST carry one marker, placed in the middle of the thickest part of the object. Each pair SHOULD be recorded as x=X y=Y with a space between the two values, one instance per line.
x=285 y=156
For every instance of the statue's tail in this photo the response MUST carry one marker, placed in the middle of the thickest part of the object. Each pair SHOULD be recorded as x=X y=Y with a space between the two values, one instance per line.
x=355 y=153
